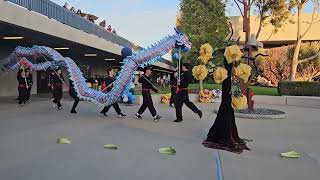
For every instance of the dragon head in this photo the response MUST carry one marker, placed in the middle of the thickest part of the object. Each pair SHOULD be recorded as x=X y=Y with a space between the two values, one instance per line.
x=182 y=40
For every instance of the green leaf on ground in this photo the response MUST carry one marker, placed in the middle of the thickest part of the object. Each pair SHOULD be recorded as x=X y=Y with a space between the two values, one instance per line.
x=63 y=141
x=167 y=150
x=291 y=154
x=110 y=146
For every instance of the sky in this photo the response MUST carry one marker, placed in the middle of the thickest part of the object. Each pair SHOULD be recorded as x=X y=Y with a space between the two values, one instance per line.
x=143 y=22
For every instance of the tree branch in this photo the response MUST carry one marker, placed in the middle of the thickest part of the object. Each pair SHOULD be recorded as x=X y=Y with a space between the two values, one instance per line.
x=270 y=34
x=315 y=7
x=231 y=31
x=239 y=7
x=310 y=58
x=251 y=3
x=260 y=27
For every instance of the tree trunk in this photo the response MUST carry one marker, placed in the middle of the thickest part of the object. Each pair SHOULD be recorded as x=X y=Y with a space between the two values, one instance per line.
x=224 y=134
x=260 y=28
x=295 y=60
x=201 y=85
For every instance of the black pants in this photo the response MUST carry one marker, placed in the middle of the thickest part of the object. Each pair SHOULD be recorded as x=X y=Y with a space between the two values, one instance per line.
x=57 y=95
x=22 y=95
x=147 y=103
x=73 y=94
x=183 y=98
x=114 y=105
x=29 y=93
x=173 y=94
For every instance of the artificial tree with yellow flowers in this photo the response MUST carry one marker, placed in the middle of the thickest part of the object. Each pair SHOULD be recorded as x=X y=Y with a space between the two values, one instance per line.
x=224 y=134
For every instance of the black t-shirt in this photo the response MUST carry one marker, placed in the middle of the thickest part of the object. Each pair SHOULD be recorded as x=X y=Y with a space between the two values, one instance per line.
x=107 y=82
x=21 y=80
x=144 y=80
x=185 y=79
x=30 y=80
x=173 y=80
x=56 y=81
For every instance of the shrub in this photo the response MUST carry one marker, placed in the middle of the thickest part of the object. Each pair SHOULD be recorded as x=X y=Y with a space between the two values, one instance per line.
x=299 y=88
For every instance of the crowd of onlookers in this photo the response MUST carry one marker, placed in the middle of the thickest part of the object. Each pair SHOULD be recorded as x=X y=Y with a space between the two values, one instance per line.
x=163 y=81
x=91 y=18
x=95 y=81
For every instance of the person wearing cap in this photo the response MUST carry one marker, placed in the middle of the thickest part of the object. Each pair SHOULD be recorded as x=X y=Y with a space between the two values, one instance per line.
x=57 y=81
x=30 y=83
x=182 y=96
x=147 y=86
x=108 y=82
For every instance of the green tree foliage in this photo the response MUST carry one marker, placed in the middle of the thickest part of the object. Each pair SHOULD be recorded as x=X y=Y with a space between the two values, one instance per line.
x=204 y=21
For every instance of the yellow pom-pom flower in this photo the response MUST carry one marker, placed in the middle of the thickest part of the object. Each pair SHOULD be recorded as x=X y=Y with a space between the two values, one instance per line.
x=220 y=74
x=243 y=71
x=232 y=53
x=205 y=53
x=200 y=72
x=239 y=102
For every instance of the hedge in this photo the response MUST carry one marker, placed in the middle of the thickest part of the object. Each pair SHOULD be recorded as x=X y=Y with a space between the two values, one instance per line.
x=299 y=88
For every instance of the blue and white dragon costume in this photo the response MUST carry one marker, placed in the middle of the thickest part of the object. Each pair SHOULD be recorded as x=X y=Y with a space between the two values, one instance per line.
x=142 y=58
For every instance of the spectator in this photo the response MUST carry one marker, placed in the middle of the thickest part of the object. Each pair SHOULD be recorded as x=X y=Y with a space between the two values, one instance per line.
x=73 y=9
x=162 y=82
x=65 y=5
x=90 y=19
x=86 y=17
x=167 y=80
x=109 y=28
x=103 y=23
x=79 y=12
x=114 y=31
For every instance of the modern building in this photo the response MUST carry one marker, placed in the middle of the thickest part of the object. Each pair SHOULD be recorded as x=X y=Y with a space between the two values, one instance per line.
x=34 y=22
x=287 y=35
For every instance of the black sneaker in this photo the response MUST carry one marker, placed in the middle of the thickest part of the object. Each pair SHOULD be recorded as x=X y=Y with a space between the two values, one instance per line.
x=121 y=115
x=138 y=116
x=104 y=113
x=60 y=108
x=200 y=114
x=156 y=118
x=178 y=120
x=73 y=111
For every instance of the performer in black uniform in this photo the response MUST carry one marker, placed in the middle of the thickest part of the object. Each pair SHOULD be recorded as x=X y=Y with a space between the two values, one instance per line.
x=73 y=94
x=22 y=87
x=108 y=81
x=173 y=83
x=30 y=83
x=147 y=99
x=183 y=95
x=57 y=81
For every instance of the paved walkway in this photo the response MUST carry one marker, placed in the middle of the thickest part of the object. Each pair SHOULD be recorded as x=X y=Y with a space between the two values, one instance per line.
x=28 y=149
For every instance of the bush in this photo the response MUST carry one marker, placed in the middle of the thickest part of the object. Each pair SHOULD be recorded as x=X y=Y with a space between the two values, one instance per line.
x=299 y=88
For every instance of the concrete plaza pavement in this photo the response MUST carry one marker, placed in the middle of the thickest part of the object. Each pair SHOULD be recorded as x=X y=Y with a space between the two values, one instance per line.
x=28 y=148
